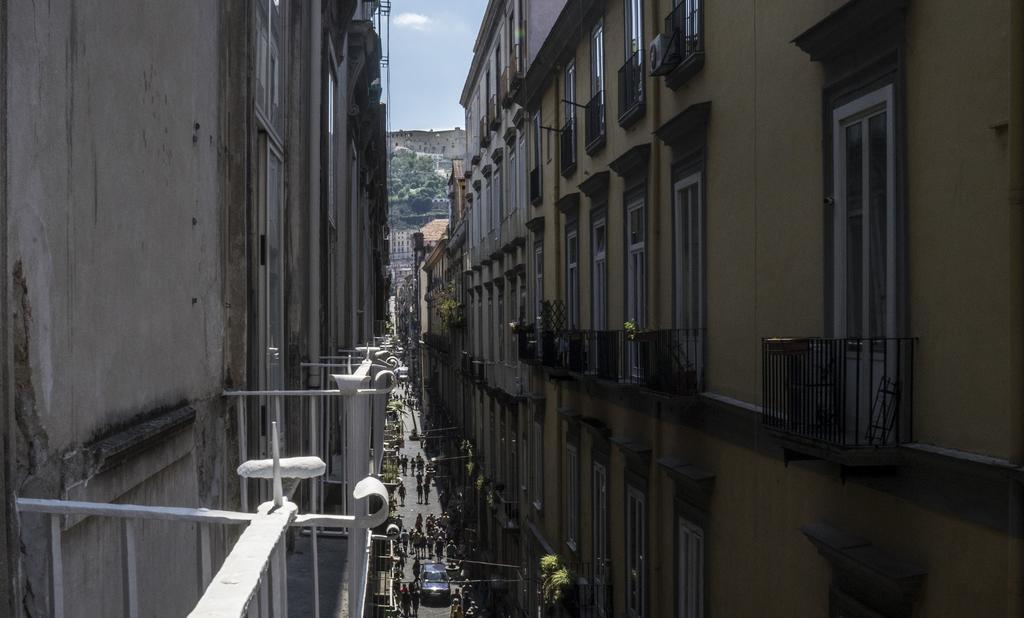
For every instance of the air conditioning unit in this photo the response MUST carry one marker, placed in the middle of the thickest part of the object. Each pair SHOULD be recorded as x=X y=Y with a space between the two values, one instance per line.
x=664 y=54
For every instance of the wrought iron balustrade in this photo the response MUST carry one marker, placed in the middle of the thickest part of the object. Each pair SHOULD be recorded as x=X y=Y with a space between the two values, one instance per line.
x=567 y=150
x=595 y=130
x=843 y=392
x=631 y=87
x=685 y=28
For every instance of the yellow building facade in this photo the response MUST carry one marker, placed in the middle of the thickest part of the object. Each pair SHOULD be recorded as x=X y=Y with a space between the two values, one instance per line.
x=776 y=298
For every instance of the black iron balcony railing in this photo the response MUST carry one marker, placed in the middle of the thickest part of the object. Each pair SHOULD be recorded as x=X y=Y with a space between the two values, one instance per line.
x=684 y=25
x=485 y=132
x=515 y=67
x=436 y=341
x=595 y=131
x=492 y=112
x=526 y=344
x=843 y=392
x=535 y=195
x=603 y=349
x=503 y=88
x=567 y=153
x=631 y=88
x=667 y=361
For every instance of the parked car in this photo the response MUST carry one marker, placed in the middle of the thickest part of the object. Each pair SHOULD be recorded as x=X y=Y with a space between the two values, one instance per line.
x=434 y=582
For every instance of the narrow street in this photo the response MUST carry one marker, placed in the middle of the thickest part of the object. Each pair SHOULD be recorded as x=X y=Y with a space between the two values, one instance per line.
x=435 y=501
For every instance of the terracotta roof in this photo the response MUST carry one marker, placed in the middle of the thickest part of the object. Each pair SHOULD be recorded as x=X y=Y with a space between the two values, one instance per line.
x=434 y=230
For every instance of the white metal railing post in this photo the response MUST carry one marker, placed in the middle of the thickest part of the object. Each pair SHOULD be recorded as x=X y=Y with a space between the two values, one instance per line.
x=205 y=555
x=130 y=567
x=243 y=452
x=278 y=490
x=57 y=568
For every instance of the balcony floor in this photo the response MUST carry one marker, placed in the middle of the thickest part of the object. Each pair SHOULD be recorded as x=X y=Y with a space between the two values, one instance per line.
x=333 y=560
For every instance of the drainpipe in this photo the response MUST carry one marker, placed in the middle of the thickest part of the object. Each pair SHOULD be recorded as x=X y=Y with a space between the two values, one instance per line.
x=313 y=377
x=1015 y=178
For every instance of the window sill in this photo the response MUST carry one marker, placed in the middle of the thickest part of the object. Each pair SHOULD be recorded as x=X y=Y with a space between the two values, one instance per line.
x=629 y=116
x=685 y=70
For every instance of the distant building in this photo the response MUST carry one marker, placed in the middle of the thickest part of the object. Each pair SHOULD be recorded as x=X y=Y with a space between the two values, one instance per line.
x=449 y=144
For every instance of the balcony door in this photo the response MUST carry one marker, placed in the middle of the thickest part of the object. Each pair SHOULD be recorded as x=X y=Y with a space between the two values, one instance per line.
x=865 y=275
x=865 y=219
x=636 y=276
x=688 y=274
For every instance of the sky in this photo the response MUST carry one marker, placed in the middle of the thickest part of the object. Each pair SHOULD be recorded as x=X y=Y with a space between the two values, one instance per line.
x=431 y=48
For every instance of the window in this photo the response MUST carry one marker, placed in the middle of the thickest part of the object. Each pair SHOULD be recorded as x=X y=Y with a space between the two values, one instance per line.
x=634 y=26
x=538 y=281
x=537 y=464
x=690 y=570
x=572 y=277
x=572 y=496
x=864 y=237
x=688 y=289
x=599 y=508
x=513 y=180
x=332 y=152
x=636 y=275
x=599 y=241
x=636 y=553
x=570 y=90
x=597 y=59
x=499 y=323
x=535 y=171
x=269 y=28
x=498 y=206
x=521 y=181
x=273 y=271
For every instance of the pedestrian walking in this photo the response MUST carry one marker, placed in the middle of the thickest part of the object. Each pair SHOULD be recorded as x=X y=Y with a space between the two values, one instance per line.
x=404 y=536
x=416 y=569
x=419 y=493
x=439 y=547
x=415 y=593
x=401 y=493
x=406 y=600
x=456 y=610
x=405 y=464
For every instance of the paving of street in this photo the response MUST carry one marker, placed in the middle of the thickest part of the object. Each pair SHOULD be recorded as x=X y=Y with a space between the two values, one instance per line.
x=412 y=448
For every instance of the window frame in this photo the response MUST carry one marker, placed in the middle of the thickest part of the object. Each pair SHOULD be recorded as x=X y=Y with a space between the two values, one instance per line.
x=636 y=551
x=633 y=23
x=860 y=110
x=572 y=496
x=599 y=275
x=597 y=70
x=686 y=528
x=687 y=295
x=636 y=278
x=572 y=276
x=600 y=547
x=537 y=464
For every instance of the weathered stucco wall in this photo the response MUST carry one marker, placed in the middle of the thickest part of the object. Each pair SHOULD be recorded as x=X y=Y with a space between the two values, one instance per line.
x=116 y=263
x=116 y=224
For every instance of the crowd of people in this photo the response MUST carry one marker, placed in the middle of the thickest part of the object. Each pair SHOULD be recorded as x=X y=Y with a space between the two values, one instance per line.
x=434 y=538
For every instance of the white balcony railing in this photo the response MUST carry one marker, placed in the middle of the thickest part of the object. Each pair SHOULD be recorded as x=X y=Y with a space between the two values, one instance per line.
x=253 y=580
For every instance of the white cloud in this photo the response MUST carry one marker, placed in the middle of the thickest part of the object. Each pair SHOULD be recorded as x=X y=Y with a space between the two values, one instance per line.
x=413 y=20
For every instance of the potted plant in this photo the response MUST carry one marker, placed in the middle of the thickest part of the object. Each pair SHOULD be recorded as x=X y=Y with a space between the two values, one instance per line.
x=554 y=578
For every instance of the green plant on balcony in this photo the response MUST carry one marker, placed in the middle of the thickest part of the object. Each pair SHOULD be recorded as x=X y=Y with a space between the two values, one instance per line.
x=449 y=309
x=480 y=481
x=389 y=473
x=554 y=577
